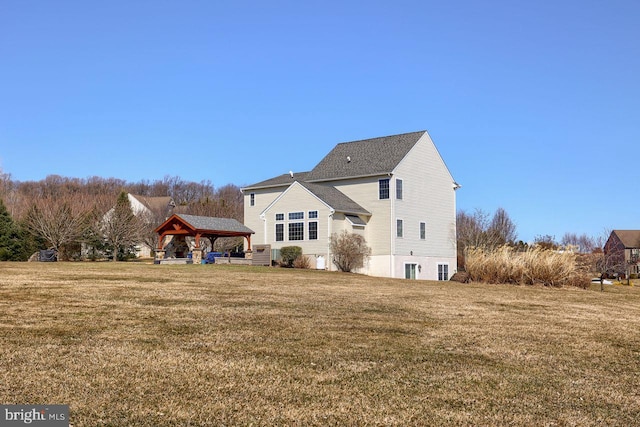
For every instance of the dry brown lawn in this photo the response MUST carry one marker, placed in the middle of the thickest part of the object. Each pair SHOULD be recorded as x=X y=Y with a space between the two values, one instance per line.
x=132 y=344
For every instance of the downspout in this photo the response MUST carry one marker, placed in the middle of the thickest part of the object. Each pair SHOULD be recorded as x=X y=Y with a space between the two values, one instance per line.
x=329 y=261
x=264 y=220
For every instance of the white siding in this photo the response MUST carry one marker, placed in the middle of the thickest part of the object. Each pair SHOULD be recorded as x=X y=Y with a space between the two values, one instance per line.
x=299 y=199
x=365 y=192
x=252 y=213
x=428 y=196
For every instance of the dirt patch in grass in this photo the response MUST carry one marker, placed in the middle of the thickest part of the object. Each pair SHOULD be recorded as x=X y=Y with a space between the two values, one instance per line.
x=145 y=345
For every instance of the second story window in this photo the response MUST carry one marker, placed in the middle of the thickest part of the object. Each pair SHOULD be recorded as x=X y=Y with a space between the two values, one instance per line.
x=399 y=189
x=399 y=228
x=296 y=215
x=383 y=186
x=252 y=196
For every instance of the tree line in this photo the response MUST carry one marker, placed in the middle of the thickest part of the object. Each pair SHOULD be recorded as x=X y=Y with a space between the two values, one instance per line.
x=66 y=214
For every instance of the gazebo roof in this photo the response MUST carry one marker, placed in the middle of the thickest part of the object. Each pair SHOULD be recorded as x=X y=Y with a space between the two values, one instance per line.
x=204 y=225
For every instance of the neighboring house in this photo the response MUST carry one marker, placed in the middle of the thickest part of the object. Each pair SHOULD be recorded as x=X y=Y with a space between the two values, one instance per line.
x=157 y=209
x=396 y=191
x=622 y=250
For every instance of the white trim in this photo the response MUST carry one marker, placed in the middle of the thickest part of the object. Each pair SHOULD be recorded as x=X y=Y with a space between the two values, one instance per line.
x=287 y=190
x=309 y=222
x=438 y=264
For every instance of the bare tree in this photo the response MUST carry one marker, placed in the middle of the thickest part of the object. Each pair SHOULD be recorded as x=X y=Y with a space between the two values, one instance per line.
x=502 y=230
x=583 y=243
x=60 y=222
x=349 y=250
x=477 y=230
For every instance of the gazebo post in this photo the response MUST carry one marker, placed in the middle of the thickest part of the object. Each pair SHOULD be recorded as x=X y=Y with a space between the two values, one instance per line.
x=159 y=252
x=248 y=253
x=196 y=253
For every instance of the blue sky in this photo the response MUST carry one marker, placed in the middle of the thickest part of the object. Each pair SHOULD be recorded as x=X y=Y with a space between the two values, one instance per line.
x=535 y=106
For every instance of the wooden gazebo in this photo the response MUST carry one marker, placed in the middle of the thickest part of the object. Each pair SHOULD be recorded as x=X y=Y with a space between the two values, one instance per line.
x=199 y=227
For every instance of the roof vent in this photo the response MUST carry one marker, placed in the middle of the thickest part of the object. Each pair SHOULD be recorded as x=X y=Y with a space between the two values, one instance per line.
x=348 y=159
x=291 y=174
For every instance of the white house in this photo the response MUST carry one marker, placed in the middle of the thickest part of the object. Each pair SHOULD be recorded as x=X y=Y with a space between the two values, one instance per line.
x=396 y=191
x=156 y=208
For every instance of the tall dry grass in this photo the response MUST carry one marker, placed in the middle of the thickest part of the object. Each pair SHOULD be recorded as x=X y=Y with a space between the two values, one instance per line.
x=534 y=266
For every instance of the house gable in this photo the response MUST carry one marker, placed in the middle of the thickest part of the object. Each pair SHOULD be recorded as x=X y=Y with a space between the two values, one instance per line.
x=629 y=238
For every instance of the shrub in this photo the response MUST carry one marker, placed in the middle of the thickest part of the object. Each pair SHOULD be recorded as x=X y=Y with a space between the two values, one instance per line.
x=289 y=254
x=302 y=262
x=349 y=251
x=533 y=266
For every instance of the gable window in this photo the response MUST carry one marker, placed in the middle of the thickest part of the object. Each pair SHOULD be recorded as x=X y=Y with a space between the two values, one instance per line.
x=399 y=228
x=383 y=188
x=313 y=230
x=313 y=214
x=280 y=217
x=296 y=215
x=252 y=196
x=398 y=189
x=296 y=231
x=423 y=230
x=279 y=232
x=443 y=271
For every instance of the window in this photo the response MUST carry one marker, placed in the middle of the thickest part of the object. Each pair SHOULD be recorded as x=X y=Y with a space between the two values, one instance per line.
x=279 y=232
x=296 y=215
x=423 y=230
x=280 y=217
x=443 y=271
x=399 y=189
x=399 y=226
x=313 y=230
x=296 y=231
x=384 y=188
x=252 y=196
x=313 y=214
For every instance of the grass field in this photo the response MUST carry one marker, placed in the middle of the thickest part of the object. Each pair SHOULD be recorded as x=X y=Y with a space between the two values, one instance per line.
x=133 y=344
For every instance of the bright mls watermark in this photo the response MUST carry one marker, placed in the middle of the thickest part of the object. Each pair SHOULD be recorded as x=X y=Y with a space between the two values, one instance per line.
x=34 y=415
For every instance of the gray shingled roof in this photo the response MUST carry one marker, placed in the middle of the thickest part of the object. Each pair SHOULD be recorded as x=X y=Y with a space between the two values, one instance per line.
x=376 y=156
x=217 y=224
x=355 y=220
x=279 y=181
x=335 y=198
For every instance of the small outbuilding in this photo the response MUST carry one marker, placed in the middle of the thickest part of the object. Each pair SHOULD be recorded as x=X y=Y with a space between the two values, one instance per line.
x=199 y=227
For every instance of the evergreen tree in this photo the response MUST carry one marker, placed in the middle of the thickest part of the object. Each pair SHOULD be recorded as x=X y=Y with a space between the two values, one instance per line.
x=13 y=244
x=121 y=228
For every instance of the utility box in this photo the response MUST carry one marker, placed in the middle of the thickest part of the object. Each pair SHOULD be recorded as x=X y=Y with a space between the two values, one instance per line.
x=48 y=255
x=261 y=255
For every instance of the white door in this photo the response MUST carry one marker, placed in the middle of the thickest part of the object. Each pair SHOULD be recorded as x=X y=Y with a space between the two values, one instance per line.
x=410 y=271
